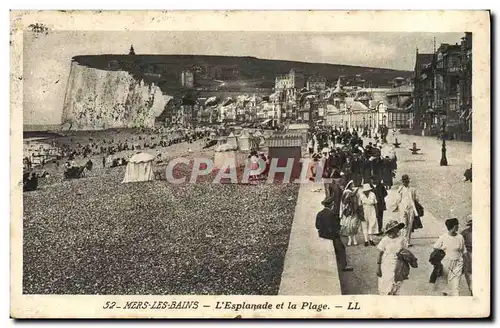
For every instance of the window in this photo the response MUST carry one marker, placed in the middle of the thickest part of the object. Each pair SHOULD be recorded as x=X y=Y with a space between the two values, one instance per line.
x=452 y=105
x=399 y=120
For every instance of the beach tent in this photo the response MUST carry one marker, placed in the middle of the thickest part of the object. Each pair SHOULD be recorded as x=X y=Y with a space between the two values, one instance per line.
x=212 y=101
x=228 y=101
x=139 y=168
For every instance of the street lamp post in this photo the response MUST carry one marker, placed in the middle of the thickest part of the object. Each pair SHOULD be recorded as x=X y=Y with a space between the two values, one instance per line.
x=444 y=160
x=370 y=127
x=364 y=126
x=384 y=125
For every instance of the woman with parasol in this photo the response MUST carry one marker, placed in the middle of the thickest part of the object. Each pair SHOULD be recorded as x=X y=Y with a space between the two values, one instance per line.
x=350 y=213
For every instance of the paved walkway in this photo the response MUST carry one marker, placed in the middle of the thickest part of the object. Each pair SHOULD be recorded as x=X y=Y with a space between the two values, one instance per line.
x=441 y=191
x=310 y=266
x=364 y=280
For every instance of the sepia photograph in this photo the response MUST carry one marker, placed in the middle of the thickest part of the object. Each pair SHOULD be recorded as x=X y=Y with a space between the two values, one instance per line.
x=191 y=172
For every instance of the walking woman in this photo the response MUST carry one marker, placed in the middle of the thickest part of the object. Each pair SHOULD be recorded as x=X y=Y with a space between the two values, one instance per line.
x=389 y=247
x=387 y=172
x=453 y=245
x=310 y=146
x=314 y=165
x=263 y=158
x=350 y=213
x=253 y=159
x=369 y=225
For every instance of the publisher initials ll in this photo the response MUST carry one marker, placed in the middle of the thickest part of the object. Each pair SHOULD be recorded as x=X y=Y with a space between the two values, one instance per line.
x=355 y=307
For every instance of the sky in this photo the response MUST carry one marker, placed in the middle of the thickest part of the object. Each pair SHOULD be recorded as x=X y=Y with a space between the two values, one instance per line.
x=47 y=58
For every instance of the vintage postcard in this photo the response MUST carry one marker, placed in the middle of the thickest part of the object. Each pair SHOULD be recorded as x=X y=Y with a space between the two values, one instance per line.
x=250 y=164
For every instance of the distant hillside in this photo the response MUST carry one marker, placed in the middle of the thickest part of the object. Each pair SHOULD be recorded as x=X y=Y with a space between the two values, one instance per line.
x=129 y=91
x=249 y=72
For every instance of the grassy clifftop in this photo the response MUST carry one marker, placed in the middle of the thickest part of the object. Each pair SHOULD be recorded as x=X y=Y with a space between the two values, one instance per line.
x=166 y=69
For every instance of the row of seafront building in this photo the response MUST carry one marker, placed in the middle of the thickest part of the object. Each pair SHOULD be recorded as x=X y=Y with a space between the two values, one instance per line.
x=440 y=90
x=295 y=100
x=437 y=97
x=349 y=102
x=443 y=89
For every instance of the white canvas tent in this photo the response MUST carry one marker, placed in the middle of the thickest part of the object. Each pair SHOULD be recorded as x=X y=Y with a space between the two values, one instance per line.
x=139 y=168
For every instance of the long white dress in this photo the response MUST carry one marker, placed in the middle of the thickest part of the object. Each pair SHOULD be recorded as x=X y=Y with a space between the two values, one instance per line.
x=369 y=211
x=453 y=263
x=390 y=246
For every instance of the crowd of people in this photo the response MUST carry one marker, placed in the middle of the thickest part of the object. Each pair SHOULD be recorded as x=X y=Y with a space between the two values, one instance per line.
x=356 y=199
x=343 y=153
x=70 y=150
x=74 y=155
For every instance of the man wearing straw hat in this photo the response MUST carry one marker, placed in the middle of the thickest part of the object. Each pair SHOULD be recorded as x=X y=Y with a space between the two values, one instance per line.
x=405 y=204
x=328 y=225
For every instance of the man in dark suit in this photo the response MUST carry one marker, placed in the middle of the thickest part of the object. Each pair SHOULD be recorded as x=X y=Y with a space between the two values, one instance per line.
x=328 y=225
x=380 y=193
x=336 y=191
x=467 y=234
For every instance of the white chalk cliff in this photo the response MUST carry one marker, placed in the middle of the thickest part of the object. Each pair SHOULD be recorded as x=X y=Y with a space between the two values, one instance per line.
x=100 y=99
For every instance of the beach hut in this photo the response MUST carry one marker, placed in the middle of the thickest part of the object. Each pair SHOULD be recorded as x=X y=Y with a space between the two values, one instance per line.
x=139 y=168
x=244 y=142
x=259 y=138
x=284 y=147
x=232 y=141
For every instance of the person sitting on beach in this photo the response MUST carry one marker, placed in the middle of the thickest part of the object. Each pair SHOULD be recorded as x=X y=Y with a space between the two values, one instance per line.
x=468 y=174
x=266 y=170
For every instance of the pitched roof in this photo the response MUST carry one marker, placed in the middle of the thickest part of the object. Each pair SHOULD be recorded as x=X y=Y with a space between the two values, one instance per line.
x=316 y=78
x=356 y=106
x=424 y=59
x=331 y=108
